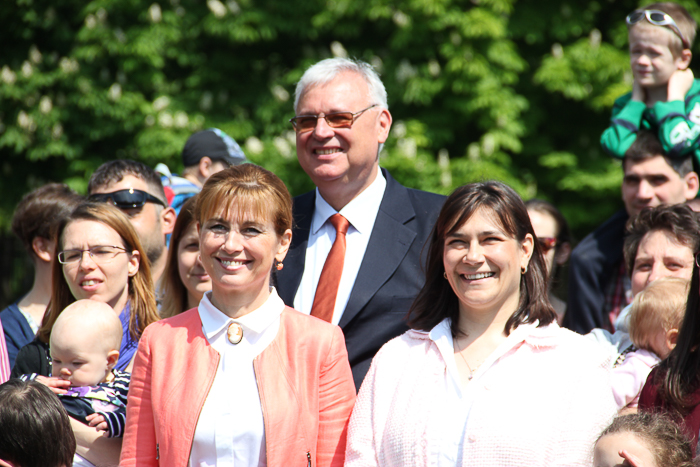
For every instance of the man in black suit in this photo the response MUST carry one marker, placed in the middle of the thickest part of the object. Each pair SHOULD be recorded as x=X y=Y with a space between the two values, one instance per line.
x=342 y=121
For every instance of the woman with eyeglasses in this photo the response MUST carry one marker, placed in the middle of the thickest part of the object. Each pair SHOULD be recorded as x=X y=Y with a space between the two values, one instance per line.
x=485 y=376
x=553 y=234
x=99 y=257
x=185 y=280
x=241 y=379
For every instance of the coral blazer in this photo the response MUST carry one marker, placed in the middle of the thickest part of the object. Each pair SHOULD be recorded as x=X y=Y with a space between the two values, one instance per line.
x=303 y=376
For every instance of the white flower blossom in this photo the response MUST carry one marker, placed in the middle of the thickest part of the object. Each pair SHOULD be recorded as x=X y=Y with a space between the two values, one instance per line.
x=254 y=145
x=338 y=50
x=68 y=65
x=27 y=69
x=45 y=105
x=401 y=19
x=181 y=119
x=165 y=119
x=233 y=7
x=217 y=8
x=7 y=75
x=161 y=103
x=115 y=92
x=90 y=21
x=57 y=131
x=155 y=13
x=280 y=93
x=283 y=147
x=34 y=54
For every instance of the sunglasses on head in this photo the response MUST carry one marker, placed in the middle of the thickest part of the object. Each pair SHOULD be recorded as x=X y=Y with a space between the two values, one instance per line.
x=547 y=243
x=126 y=199
x=304 y=123
x=657 y=18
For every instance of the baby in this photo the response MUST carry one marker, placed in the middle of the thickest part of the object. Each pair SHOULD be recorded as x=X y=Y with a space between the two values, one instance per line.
x=643 y=439
x=84 y=348
x=655 y=317
x=665 y=97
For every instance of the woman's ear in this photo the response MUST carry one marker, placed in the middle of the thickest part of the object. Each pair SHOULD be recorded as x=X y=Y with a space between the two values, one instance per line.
x=284 y=241
x=528 y=247
x=43 y=248
x=134 y=263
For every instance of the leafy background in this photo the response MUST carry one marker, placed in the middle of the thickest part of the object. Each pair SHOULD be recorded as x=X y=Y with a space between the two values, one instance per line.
x=513 y=90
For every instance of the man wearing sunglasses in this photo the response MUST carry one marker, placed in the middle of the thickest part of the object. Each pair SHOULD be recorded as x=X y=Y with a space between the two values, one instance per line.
x=599 y=283
x=136 y=189
x=355 y=254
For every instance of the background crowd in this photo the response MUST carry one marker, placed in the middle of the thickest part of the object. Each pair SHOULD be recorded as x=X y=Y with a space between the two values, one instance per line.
x=365 y=322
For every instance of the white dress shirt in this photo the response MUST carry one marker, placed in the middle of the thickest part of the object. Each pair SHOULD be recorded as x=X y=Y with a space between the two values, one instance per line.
x=361 y=213
x=230 y=430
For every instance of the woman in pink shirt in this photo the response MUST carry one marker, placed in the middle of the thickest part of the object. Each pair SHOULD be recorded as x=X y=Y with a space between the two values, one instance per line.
x=486 y=376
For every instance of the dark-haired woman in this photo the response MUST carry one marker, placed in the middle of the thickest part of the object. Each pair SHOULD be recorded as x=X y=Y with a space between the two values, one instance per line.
x=486 y=376
x=674 y=385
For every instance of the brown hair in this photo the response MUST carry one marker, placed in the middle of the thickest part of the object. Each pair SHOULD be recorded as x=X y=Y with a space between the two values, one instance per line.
x=647 y=145
x=141 y=291
x=437 y=301
x=660 y=306
x=680 y=15
x=40 y=212
x=662 y=436
x=174 y=292
x=246 y=188
x=678 y=220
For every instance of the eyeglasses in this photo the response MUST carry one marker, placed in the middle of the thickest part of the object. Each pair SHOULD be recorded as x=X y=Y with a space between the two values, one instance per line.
x=546 y=243
x=657 y=18
x=304 y=123
x=126 y=199
x=100 y=254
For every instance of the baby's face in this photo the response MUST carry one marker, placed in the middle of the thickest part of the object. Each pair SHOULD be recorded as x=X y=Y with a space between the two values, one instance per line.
x=607 y=449
x=651 y=58
x=78 y=362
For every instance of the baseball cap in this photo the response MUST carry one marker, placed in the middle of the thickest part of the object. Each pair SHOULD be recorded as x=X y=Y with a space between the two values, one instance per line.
x=214 y=144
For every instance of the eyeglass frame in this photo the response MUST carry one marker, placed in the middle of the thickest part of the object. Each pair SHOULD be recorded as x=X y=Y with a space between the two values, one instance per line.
x=105 y=198
x=667 y=22
x=89 y=252
x=354 y=115
x=547 y=243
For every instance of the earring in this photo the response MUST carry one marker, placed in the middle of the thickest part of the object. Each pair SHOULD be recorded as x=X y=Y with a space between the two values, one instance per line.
x=523 y=270
x=444 y=274
x=279 y=266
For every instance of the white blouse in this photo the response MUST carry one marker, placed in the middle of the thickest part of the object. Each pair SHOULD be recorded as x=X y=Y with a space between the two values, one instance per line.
x=230 y=430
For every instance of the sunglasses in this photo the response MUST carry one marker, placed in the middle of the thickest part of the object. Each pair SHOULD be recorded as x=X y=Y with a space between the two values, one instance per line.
x=126 y=199
x=657 y=18
x=546 y=243
x=304 y=123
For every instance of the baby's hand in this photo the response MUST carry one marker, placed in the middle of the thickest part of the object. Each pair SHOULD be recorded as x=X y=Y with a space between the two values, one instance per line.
x=679 y=84
x=98 y=422
x=57 y=385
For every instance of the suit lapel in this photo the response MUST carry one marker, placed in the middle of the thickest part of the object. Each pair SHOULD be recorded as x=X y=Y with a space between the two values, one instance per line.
x=289 y=278
x=388 y=244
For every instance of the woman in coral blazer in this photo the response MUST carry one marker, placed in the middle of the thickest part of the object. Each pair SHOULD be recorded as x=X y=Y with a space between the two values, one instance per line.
x=241 y=379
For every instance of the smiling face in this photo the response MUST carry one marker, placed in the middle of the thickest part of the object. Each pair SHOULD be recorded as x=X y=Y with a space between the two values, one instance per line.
x=344 y=159
x=238 y=254
x=192 y=273
x=484 y=265
x=106 y=280
x=651 y=57
x=652 y=181
x=660 y=255
x=606 y=453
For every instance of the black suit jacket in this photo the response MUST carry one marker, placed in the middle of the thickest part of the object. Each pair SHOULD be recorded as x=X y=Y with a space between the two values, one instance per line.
x=390 y=275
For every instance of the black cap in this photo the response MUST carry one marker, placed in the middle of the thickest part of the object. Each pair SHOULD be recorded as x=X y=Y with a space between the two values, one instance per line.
x=214 y=144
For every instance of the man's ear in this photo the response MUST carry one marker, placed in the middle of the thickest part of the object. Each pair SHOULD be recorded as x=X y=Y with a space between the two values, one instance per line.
x=384 y=124
x=204 y=167
x=692 y=184
x=43 y=248
x=167 y=219
x=563 y=253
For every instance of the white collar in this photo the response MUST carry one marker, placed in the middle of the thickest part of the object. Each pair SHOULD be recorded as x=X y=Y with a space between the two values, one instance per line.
x=214 y=321
x=356 y=210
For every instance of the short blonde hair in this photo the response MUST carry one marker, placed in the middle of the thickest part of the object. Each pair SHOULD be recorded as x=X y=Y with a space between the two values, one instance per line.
x=686 y=23
x=660 y=306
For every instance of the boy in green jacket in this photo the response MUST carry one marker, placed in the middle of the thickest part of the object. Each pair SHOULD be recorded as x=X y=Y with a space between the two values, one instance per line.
x=665 y=98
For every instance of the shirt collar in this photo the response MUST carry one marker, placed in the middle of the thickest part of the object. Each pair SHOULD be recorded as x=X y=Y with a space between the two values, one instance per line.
x=214 y=321
x=356 y=210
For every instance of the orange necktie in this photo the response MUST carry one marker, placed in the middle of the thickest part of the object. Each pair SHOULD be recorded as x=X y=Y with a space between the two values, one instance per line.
x=327 y=290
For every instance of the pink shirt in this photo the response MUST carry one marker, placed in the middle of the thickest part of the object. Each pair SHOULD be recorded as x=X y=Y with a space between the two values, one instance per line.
x=628 y=378
x=540 y=399
x=4 y=358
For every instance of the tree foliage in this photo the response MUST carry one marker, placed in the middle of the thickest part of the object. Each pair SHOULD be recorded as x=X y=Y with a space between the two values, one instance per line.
x=514 y=90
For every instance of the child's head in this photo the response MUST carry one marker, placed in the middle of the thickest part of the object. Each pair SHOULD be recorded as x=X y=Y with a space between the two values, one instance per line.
x=652 y=438
x=85 y=343
x=660 y=37
x=657 y=313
